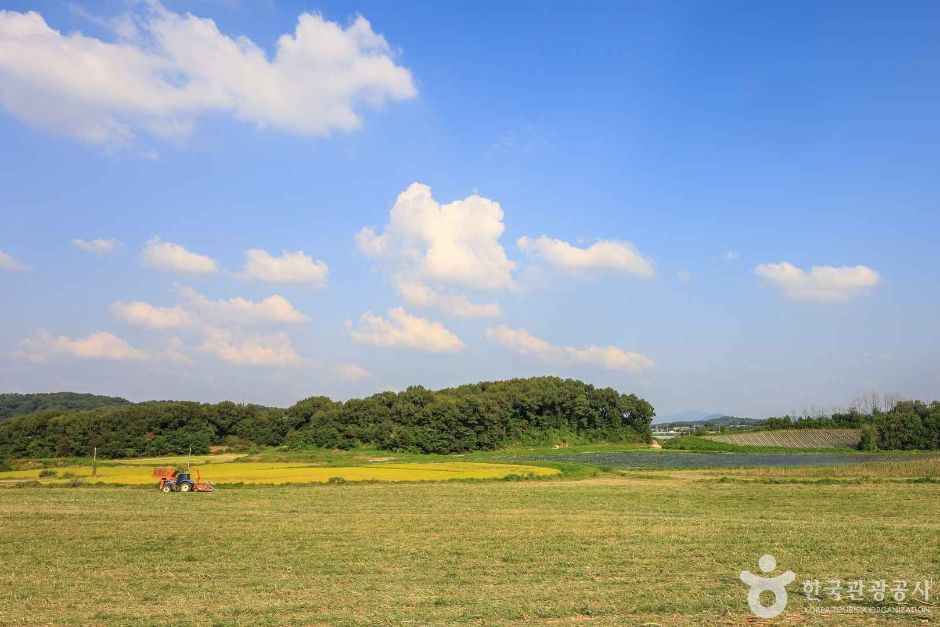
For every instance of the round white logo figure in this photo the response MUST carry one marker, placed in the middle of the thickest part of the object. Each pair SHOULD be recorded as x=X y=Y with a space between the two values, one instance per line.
x=776 y=585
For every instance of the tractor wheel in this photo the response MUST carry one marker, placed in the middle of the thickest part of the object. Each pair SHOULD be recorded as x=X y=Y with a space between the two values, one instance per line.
x=167 y=488
x=186 y=487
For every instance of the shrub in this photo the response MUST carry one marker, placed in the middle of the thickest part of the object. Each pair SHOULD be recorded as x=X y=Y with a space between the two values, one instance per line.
x=868 y=440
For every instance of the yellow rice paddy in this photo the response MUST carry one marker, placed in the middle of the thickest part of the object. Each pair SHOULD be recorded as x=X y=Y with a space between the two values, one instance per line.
x=220 y=473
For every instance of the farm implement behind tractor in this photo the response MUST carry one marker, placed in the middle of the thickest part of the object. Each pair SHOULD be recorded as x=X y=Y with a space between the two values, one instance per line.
x=173 y=480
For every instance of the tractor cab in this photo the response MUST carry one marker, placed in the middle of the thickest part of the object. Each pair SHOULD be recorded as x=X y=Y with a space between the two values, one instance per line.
x=184 y=483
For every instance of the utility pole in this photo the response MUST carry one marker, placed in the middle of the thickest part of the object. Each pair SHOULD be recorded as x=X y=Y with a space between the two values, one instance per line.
x=94 y=463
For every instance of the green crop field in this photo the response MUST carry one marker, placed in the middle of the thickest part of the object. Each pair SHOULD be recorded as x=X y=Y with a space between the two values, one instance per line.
x=628 y=547
x=793 y=438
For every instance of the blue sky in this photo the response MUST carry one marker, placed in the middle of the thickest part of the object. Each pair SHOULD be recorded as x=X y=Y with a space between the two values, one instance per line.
x=662 y=160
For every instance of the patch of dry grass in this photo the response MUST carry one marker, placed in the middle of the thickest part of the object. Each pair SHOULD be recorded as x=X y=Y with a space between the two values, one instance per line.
x=920 y=466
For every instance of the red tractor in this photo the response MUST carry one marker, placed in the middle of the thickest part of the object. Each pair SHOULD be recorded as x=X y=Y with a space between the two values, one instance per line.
x=173 y=480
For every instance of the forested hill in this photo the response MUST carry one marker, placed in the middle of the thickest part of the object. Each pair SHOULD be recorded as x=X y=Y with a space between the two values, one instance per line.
x=22 y=404
x=466 y=418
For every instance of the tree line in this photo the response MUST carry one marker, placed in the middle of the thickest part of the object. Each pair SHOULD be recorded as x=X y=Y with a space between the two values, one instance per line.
x=22 y=404
x=894 y=425
x=478 y=416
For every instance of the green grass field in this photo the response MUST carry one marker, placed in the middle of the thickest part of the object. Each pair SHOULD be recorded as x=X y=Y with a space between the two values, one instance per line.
x=654 y=547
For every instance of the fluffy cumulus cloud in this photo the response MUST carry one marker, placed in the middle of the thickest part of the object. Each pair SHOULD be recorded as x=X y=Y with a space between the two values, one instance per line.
x=170 y=257
x=453 y=303
x=273 y=350
x=201 y=311
x=241 y=311
x=150 y=316
x=298 y=268
x=174 y=351
x=610 y=357
x=352 y=372
x=160 y=71
x=602 y=256
x=432 y=251
x=821 y=283
x=97 y=246
x=101 y=345
x=456 y=243
x=524 y=343
x=11 y=264
x=226 y=326
x=402 y=330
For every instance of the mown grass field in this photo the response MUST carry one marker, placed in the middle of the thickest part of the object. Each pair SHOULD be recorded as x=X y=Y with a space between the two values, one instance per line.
x=655 y=547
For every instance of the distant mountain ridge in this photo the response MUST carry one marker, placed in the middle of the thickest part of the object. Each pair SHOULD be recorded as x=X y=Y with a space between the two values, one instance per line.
x=699 y=418
x=688 y=416
x=22 y=404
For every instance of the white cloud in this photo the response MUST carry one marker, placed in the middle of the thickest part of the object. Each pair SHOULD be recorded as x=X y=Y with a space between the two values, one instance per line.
x=353 y=372
x=610 y=357
x=731 y=255
x=402 y=330
x=221 y=324
x=255 y=350
x=170 y=257
x=163 y=70
x=453 y=303
x=522 y=342
x=200 y=311
x=288 y=268
x=97 y=246
x=241 y=311
x=9 y=262
x=821 y=283
x=456 y=244
x=146 y=315
x=602 y=256
x=175 y=351
x=101 y=345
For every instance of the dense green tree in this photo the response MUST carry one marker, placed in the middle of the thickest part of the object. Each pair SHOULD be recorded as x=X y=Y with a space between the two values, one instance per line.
x=466 y=418
x=22 y=404
x=474 y=417
x=906 y=425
